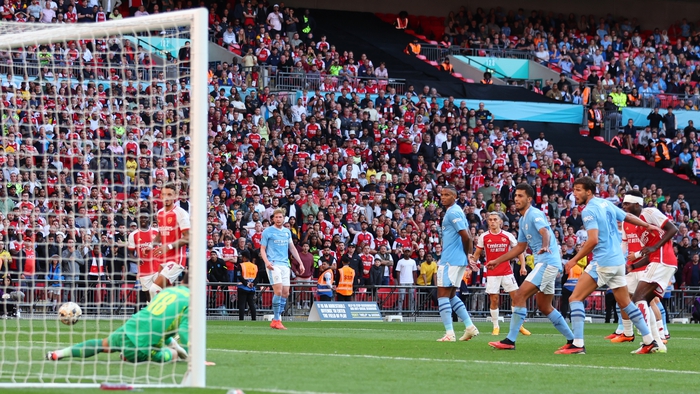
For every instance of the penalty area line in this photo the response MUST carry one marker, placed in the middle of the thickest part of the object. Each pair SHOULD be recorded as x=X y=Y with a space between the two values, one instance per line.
x=437 y=360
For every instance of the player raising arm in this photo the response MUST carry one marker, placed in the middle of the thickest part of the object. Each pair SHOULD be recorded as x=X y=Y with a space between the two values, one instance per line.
x=495 y=243
x=456 y=244
x=600 y=219
x=142 y=337
x=275 y=246
x=657 y=255
x=173 y=238
x=534 y=231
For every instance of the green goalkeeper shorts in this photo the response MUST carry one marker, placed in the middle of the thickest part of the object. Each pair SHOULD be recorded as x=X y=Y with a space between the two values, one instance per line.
x=119 y=340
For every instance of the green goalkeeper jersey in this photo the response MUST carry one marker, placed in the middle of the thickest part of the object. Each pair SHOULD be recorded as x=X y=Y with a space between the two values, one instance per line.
x=165 y=316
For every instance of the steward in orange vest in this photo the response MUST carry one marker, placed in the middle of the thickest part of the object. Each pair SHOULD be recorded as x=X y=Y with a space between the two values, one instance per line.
x=345 y=281
x=446 y=66
x=246 y=274
x=413 y=48
x=325 y=282
x=487 y=79
x=662 y=158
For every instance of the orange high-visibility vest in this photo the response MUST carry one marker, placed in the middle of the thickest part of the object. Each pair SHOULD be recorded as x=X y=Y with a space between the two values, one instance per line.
x=324 y=287
x=249 y=270
x=347 y=276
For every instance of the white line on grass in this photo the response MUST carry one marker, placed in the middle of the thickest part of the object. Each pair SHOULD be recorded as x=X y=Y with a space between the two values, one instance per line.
x=271 y=390
x=391 y=358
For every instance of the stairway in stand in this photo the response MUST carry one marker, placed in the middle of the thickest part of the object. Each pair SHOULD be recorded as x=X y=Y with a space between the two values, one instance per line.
x=637 y=172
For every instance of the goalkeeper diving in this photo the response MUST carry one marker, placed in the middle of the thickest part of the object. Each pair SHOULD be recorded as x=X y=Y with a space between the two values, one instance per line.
x=149 y=335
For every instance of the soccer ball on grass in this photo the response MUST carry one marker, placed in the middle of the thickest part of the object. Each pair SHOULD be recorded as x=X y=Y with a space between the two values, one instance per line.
x=69 y=313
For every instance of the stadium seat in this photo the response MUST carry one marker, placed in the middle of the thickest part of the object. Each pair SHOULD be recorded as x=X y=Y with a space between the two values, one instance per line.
x=600 y=139
x=683 y=177
x=434 y=63
x=457 y=75
x=625 y=152
x=421 y=57
x=668 y=170
x=584 y=132
x=468 y=80
x=640 y=157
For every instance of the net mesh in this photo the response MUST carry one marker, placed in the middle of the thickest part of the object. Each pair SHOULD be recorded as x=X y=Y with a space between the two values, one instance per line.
x=94 y=124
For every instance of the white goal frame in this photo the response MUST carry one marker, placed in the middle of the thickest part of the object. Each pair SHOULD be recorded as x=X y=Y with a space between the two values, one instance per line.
x=197 y=20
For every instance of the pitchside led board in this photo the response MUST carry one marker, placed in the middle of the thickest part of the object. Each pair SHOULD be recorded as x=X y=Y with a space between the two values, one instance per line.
x=345 y=311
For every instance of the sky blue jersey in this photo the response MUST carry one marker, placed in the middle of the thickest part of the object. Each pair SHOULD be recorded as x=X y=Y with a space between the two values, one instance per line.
x=452 y=248
x=530 y=225
x=276 y=242
x=603 y=216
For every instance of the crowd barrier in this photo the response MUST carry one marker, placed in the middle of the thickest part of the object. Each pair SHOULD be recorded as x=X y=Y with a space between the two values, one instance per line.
x=123 y=298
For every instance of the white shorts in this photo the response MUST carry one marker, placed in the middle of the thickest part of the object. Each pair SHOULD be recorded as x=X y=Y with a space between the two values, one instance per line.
x=494 y=284
x=543 y=276
x=171 y=271
x=147 y=281
x=633 y=279
x=658 y=274
x=613 y=276
x=450 y=276
x=281 y=274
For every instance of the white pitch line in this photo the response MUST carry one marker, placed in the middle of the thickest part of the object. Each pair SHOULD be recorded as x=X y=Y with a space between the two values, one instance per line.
x=271 y=390
x=413 y=359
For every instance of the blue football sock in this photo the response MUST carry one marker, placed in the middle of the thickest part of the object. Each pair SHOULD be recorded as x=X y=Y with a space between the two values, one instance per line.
x=461 y=311
x=663 y=316
x=637 y=318
x=283 y=304
x=276 y=307
x=445 y=313
x=516 y=320
x=620 y=328
x=560 y=324
x=578 y=314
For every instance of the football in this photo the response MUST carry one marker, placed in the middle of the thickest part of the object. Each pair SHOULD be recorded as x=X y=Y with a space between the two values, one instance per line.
x=69 y=313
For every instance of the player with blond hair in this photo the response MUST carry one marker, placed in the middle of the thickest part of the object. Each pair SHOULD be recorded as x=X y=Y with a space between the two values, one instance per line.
x=275 y=246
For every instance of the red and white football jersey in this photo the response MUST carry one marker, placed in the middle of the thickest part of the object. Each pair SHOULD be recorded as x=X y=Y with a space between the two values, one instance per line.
x=171 y=225
x=665 y=253
x=631 y=239
x=142 y=242
x=495 y=246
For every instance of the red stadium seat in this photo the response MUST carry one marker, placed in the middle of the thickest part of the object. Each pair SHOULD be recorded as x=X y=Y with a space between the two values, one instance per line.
x=600 y=139
x=468 y=80
x=584 y=132
x=683 y=176
x=434 y=63
x=457 y=75
x=626 y=152
x=669 y=170
x=640 y=157
x=421 y=57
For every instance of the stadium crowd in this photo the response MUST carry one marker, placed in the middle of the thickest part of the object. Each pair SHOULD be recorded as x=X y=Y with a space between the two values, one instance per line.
x=359 y=177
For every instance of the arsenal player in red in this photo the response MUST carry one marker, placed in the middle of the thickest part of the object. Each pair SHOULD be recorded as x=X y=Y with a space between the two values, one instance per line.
x=496 y=242
x=173 y=238
x=141 y=242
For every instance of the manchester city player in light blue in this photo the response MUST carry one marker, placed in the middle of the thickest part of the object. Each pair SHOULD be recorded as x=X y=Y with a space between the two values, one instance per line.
x=600 y=218
x=275 y=246
x=457 y=244
x=534 y=231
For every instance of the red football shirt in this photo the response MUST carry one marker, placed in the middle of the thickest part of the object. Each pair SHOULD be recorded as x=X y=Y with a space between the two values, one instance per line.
x=142 y=242
x=171 y=225
x=495 y=246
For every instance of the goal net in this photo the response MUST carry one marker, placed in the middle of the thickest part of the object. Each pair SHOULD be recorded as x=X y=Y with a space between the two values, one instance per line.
x=99 y=121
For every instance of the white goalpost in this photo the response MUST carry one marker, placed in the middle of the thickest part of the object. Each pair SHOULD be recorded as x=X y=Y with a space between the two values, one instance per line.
x=96 y=119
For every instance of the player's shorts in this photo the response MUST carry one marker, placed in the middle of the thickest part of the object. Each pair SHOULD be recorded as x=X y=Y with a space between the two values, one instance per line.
x=281 y=274
x=450 y=276
x=613 y=276
x=171 y=271
x=633 y=279
x=147 y=281
x=118 y=340
x=658 y=274
x=494 y=284
x=543 y=276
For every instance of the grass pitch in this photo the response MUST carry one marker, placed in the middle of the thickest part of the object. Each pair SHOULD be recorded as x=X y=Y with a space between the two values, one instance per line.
x=381 y=358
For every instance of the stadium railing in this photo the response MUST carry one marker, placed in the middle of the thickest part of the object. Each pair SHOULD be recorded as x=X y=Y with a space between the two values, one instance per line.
x=121 y=298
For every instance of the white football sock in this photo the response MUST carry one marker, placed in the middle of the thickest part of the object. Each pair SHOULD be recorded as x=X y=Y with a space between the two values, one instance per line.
x=628 y=330
x=154 y=290
x=494 y=317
